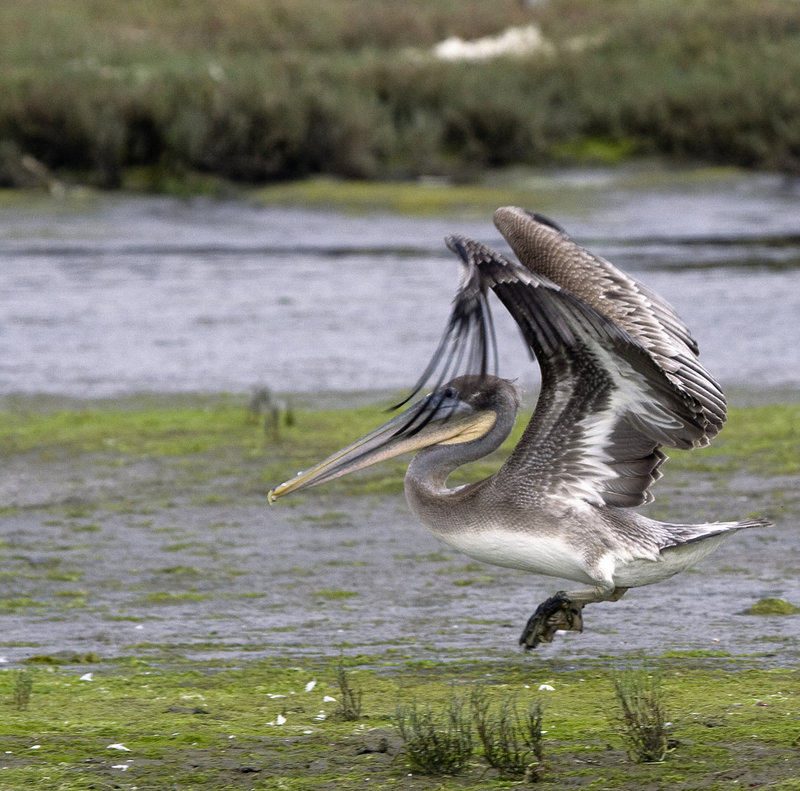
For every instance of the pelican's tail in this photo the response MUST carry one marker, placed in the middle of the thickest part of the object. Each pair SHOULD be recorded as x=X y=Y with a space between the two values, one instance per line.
x=690 y=534
x=683 y=546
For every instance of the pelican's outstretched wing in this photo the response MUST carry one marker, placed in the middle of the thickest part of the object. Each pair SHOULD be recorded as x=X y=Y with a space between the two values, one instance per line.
x=544 y=248
x=605 y=406
x=468 y=344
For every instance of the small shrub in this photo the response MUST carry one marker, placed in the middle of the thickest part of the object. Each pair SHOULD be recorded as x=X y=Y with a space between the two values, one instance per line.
x=349 y=708
x=642 y=715
x=23 y=686
x=512 y=742
x=437 y=743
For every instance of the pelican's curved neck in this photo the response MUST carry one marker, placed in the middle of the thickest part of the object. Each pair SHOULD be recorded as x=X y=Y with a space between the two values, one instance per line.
x=429 y=470
x=445 y=511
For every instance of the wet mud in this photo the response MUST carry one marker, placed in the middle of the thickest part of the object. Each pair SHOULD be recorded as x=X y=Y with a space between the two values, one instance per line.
x=183 y=557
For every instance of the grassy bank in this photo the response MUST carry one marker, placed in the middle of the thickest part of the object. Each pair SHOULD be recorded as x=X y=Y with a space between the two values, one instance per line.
x=760 y=440
x=271 y=726
x=146 y=94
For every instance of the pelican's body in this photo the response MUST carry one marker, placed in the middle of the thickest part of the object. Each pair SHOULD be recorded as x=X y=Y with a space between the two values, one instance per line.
x=620 y=379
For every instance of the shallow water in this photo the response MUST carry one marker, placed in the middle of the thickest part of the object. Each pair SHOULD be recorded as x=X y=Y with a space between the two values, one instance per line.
x=129 y=294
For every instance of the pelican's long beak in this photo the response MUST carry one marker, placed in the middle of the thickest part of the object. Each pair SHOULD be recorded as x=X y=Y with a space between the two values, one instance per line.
x=428 y=422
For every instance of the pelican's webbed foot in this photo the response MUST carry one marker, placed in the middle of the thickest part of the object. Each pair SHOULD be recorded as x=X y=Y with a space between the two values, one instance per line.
x=557 y=612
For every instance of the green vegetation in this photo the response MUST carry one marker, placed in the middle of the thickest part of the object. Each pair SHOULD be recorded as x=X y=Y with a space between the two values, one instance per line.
x=22 y=688
x=349 y=707
x=761 y=440
x=642 y=715
x=421 y=197
x=773 y=607
x=141 y=430
x=436 y=742
x=262 y=725
x=332 y=595
x=512 y=742
x=177 y=96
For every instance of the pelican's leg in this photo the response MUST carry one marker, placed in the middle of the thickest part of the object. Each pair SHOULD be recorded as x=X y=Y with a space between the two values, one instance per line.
x=562 y=611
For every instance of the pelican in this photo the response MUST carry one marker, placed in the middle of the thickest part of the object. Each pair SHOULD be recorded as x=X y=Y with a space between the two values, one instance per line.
x=620 y=380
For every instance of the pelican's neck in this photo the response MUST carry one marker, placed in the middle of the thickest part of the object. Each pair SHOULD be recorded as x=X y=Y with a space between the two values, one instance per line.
x=426 y=478
x=431 y=467
x=442 y=510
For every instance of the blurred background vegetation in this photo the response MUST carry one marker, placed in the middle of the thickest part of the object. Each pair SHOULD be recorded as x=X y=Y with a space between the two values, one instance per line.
x=144 y=93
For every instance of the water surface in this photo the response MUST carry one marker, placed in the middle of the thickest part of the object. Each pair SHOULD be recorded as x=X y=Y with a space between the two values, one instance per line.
x=127 y=294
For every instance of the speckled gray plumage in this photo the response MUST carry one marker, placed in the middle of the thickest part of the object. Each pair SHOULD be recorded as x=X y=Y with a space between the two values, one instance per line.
x=620 y=379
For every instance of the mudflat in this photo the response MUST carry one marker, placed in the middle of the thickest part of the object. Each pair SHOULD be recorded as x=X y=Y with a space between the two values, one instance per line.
x=129 y=553
x=161 y=626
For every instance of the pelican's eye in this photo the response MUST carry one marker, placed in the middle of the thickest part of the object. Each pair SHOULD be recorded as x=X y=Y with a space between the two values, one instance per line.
x=450 y=393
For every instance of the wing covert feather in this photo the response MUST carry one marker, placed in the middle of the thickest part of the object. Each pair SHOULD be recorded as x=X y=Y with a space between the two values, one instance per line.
x=543 y=247
x=605 y=406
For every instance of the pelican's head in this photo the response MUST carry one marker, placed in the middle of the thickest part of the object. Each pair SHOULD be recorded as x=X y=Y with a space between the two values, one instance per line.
x=461 y=411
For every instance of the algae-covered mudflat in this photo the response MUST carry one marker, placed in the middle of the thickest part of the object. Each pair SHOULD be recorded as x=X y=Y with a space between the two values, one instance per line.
x=176 y=632
x=270 y=725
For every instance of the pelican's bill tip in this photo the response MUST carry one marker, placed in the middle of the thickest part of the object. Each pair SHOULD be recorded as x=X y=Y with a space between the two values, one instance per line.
x=274 y=494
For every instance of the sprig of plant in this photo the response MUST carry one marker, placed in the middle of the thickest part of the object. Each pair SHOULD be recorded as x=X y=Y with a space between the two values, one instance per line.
x=437 y=743
x=23 y=686
x=349 y=708
x=642 y=715
x=512 y=742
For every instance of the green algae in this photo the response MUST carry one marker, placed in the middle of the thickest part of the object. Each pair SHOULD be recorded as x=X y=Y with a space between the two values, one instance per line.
x=431 y=198
x=762 y=439
x=330 y=594
x=167 y=597
x=772 y=606
x=266 y=724
x=759 y=439
x=146 y=430
x=20 y=604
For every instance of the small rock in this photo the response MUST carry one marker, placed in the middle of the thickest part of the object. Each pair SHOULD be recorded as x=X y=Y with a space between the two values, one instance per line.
x=380 y=741
x=320 y=765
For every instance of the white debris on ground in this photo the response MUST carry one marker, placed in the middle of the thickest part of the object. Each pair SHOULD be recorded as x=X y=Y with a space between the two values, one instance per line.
x=514 y=41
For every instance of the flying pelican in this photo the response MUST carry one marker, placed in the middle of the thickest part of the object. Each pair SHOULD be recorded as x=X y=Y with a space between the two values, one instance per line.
x=620 y=379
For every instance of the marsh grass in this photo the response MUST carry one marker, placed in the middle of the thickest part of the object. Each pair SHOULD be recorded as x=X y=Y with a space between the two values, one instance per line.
x=156 y=96
x=442 y=742
x=641 y=714
x=22 y=689
x=436 y=742
x=349 y=704
x=512 y=741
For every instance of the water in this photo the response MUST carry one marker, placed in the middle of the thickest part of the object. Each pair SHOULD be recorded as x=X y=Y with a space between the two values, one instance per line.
x=122 y=295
